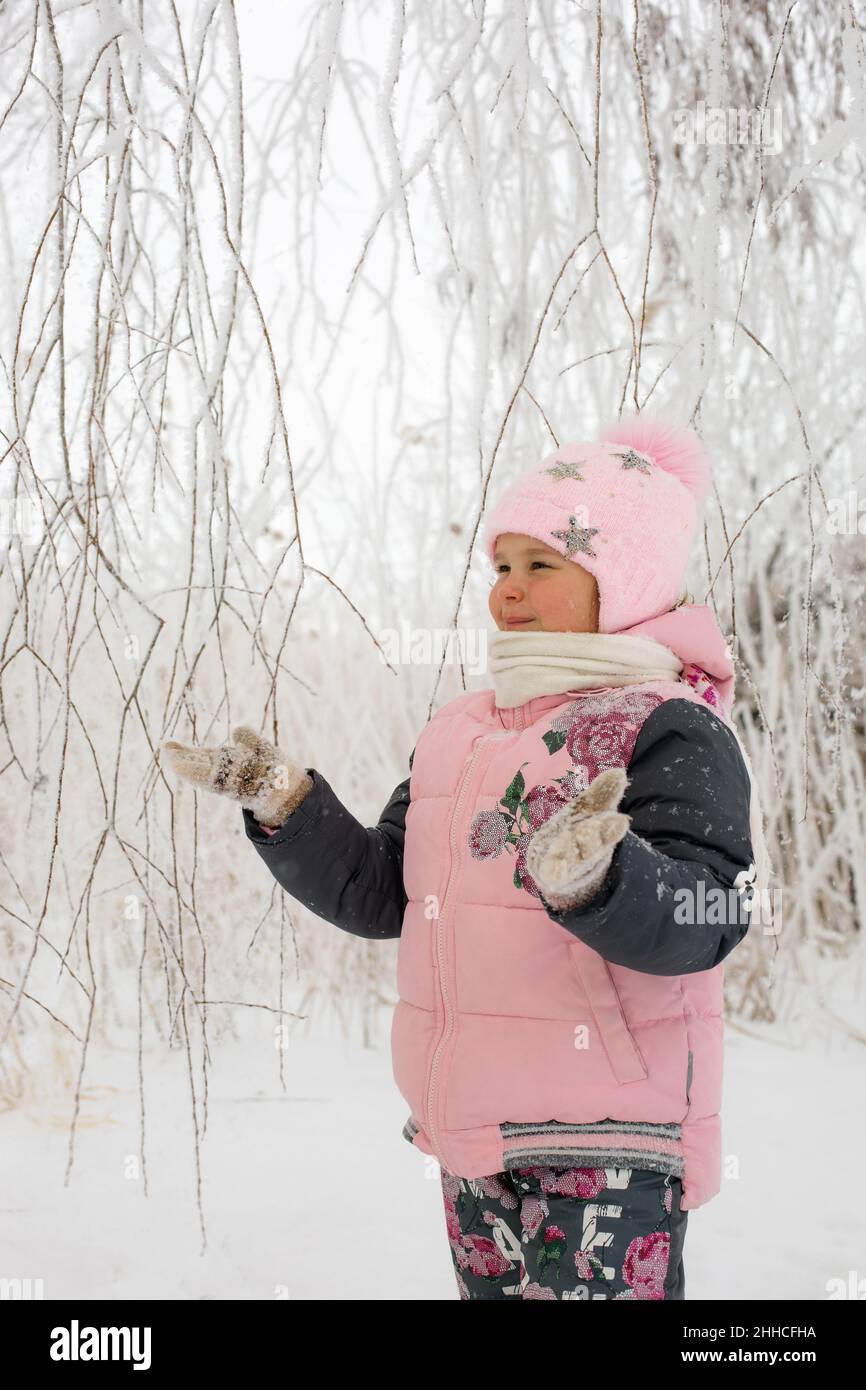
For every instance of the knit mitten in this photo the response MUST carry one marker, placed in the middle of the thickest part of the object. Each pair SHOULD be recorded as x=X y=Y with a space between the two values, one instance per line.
x=252 y=771
x=569 y=855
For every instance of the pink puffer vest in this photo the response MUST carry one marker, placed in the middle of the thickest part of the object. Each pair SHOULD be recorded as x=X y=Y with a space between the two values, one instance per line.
x=508 y=1028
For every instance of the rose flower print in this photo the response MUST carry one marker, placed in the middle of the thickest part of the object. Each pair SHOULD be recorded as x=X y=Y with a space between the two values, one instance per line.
x=596 y=736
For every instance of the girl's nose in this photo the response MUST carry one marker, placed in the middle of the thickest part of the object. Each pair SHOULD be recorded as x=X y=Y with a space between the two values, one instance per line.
x=510 y=587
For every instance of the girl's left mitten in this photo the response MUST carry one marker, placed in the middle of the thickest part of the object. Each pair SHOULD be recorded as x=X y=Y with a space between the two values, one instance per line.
x=569 y=855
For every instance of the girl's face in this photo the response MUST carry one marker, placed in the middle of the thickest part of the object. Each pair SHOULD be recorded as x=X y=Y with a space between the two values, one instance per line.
x=535 y=583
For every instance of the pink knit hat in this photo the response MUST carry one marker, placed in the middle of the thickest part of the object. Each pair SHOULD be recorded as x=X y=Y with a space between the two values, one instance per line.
x=626 y=508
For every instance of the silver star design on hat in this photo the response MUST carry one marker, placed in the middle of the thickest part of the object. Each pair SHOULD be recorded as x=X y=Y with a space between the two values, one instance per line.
x=561 y=469
x=577 y=538
x=632 y=459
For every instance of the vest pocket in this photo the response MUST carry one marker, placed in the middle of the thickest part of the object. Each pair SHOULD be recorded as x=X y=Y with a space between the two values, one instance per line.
x=611 y=1027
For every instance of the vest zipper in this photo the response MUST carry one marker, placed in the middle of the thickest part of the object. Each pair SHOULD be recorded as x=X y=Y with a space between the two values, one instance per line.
x=440 y=934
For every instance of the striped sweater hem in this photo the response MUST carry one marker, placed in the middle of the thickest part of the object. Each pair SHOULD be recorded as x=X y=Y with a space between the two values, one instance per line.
x=600 y=1144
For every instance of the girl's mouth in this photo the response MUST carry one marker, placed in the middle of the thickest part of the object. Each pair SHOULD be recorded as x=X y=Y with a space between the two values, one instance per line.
x=517 y=622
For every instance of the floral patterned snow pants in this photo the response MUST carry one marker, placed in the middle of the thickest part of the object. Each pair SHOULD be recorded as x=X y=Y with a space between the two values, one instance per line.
x=567 y=1233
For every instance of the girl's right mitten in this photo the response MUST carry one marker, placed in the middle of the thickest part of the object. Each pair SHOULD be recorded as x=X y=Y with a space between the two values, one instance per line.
x=252 y=771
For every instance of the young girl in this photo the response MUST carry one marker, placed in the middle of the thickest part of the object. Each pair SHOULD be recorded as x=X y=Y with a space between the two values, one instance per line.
x=567 y=866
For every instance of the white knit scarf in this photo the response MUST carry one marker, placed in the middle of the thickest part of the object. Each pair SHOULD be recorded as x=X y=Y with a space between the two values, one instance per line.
x=526 y=664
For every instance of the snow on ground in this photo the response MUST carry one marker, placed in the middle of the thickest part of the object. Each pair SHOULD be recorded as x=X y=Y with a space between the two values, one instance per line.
x=314 y=1194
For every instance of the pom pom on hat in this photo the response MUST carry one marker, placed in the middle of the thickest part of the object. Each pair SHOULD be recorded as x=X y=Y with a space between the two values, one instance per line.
x=675 y=448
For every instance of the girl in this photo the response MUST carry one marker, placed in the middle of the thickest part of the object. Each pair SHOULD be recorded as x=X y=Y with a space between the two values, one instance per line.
x=567 y=866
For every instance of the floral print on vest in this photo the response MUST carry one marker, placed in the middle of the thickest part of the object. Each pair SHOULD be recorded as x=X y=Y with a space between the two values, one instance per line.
x=597 y=733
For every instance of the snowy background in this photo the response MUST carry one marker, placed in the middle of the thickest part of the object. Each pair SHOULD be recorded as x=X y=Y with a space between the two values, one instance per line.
x=290 y=295
x=294 y=1212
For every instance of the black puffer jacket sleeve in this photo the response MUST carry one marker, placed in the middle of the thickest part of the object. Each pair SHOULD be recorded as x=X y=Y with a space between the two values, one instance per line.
x=325 y=859
x=660 y=908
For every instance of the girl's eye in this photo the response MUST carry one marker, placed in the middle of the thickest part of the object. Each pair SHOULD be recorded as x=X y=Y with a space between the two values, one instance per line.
x=500 y=568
